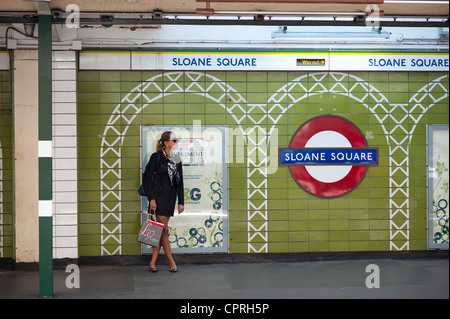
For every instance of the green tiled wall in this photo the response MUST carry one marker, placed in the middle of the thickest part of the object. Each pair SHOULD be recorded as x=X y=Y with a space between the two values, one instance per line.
x=295 y=220
x=6 y=169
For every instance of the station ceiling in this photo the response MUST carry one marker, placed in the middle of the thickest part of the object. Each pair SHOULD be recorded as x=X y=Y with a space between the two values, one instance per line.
x=205 y=11
x=399 y=7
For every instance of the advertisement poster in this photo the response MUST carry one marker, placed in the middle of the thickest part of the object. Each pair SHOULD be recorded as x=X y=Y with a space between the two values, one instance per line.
x=203 y=226
x=438 y=190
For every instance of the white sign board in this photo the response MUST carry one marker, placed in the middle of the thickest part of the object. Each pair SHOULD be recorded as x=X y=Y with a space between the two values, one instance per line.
x=264 y=61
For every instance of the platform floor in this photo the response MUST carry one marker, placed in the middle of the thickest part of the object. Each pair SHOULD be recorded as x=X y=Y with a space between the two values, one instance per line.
x=410 y=278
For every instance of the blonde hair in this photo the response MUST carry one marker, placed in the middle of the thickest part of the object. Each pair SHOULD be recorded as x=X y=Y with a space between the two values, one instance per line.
x=164 y=138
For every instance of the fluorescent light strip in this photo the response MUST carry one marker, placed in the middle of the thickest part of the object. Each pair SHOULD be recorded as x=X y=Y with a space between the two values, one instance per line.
x=415 y=2
x=328 y=35
x=268 y=13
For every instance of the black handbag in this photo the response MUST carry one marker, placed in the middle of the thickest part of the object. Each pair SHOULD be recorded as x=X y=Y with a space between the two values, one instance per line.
x=141 y=190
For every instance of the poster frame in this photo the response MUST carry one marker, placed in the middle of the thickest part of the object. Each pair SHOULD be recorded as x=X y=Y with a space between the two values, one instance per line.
x=225 y=198
x=431 y=128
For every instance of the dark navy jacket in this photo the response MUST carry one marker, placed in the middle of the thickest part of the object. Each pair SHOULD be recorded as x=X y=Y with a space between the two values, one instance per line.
x=156 y=178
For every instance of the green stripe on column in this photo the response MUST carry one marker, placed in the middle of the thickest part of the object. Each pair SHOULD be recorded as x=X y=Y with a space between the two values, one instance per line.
x=45 y=159
x=45 y=257
x=45 y=178
x=45 y=77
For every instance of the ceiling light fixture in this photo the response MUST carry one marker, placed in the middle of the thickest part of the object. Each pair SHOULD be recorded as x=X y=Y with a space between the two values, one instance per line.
x=332 y=35
x=291 y=13
x=302 y=1
x=416 y=2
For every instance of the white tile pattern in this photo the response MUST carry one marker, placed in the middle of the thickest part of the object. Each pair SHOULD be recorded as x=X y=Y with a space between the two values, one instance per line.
x=65 y=195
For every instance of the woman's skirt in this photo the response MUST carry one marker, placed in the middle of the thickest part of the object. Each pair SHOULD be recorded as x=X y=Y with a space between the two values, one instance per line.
x=165 y=202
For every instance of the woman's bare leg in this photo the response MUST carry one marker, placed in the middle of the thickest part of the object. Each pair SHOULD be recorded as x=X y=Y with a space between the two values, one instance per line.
x=164 y=243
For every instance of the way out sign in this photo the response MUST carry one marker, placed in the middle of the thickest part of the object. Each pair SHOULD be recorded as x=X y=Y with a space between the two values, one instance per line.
x=328 y=156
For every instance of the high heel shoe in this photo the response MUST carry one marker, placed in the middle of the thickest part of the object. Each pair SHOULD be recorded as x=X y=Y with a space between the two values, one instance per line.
x=173 y=269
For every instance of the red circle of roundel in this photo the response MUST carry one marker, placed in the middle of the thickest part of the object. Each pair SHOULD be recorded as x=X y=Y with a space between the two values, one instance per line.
x=308 y=130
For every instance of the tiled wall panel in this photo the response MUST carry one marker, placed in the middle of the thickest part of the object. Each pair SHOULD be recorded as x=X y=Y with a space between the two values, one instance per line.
x=387 y=211
x=6 y=169
x=65 y=185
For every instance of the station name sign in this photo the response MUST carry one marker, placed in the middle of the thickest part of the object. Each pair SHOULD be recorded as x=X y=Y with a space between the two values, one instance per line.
x=218 y=62
x=263 y=61
x=413 y=62
x=329 y=156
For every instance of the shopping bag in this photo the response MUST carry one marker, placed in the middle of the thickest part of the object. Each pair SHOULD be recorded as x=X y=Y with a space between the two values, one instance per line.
x=150 y=233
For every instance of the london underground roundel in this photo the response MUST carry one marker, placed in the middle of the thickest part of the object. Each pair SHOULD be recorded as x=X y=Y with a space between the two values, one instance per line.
x=328 y=156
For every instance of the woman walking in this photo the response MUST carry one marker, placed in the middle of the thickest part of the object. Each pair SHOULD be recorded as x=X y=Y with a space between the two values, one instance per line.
x=163 y=184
